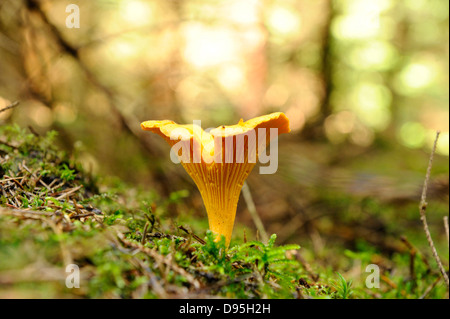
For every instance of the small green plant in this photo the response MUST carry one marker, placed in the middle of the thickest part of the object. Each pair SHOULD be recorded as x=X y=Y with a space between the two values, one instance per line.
x=67 y=174
x=265 y=255
x=213 y=255
x=36 y=202
x=343 y=288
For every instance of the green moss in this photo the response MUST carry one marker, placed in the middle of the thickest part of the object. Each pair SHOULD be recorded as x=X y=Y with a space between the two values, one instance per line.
x=127 y=245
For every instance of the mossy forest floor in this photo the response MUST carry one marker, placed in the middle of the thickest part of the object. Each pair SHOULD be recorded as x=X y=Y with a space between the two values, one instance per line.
x=54 y=215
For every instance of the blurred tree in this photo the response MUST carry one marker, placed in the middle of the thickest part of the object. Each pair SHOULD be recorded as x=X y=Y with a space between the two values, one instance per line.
x=348 y=72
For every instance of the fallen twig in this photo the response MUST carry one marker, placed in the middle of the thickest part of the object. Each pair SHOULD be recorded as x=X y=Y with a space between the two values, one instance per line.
x=8 y=144
x=187 y=231
x=144 y=233
x=31 y=214
x=69 y=192
x=428 y=290
x=65 y=253
x=159 y=258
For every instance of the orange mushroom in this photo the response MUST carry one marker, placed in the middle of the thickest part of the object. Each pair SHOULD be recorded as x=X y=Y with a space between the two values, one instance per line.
x=220 y=161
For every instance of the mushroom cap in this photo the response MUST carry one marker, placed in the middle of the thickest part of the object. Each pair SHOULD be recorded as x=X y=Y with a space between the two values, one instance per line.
x=173 y=132
x=274 y=120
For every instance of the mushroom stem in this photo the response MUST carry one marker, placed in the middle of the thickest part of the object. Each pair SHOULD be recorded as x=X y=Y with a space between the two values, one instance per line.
x=220 y=186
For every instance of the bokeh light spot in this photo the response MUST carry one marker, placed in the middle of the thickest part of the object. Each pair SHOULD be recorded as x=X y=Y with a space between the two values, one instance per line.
x=40 y=114
x=417 y=75
x=413 y=134
x=371 y=103
x=443 y=144
x=284 y=21
x=232 y=77
x=209 y=46
x=276 y=95
x=136 y=13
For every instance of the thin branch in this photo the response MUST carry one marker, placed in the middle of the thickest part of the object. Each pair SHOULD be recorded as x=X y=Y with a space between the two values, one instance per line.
x=428 y=290
x=446 y=229
x=11 y=106
x=252 y=210
x=187 y=231
x=314 y=276
x=423 y=208
x=74 y=51
x=412 y=257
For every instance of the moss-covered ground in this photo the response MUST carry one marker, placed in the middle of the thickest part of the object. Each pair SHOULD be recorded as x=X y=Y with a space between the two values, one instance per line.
x=53 y=214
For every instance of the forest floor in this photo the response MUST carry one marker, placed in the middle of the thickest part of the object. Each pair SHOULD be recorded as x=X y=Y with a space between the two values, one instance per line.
x=56 y=221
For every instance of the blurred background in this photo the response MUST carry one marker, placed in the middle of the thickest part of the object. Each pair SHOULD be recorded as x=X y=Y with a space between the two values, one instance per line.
x=364 y=84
